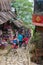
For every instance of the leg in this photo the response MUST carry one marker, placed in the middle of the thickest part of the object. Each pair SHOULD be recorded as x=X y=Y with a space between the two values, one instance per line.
x=20 y=43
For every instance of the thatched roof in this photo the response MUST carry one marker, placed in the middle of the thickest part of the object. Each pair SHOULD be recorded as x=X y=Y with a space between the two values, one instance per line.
x=18 y=23
x=5 y=5
x=5 y=16
x=5 y=11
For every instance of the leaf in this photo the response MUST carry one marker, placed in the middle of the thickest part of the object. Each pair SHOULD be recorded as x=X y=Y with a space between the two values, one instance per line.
x=24 y=10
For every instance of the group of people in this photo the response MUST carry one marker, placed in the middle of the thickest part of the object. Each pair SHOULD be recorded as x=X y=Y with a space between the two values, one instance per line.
x=17 y=38
x=20 y=38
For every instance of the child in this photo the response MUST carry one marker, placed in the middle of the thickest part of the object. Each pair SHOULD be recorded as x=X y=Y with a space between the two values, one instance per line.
x=25 y=41
x=20 y=38
x=15 y=42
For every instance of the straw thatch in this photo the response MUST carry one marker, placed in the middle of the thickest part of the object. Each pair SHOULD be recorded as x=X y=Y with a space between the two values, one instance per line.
x=5 y=11
x=5 y=5
x=5 y=16
x=18 y=23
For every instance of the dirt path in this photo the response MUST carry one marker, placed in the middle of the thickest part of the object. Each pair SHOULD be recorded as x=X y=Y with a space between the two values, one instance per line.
x=23 y=56
x=16 y=57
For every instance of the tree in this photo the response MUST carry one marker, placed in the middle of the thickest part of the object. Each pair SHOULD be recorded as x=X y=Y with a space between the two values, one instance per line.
x=24 y=10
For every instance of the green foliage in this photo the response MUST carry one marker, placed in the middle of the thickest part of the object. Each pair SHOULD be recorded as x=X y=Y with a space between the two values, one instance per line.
x=24 y=10
x=36 y=37
x=37 y=40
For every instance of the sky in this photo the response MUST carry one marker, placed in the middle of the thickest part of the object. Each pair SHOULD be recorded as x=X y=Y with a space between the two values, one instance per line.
x=31 y=0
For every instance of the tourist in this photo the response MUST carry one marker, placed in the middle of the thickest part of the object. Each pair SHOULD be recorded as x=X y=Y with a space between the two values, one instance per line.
x=25 y=41
x=20 y=38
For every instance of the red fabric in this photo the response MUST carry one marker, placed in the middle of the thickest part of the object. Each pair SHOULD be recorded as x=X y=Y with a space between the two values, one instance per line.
x=35 y=22
x=14 y=46
x=25 y=39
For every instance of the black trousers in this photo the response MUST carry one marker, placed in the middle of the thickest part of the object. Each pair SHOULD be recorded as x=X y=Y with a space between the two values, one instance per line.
x=20 y=43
